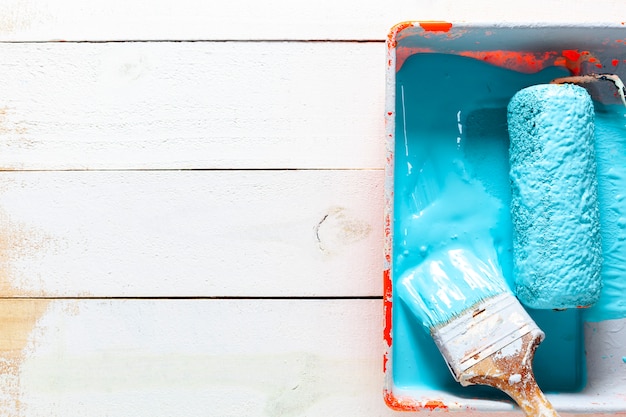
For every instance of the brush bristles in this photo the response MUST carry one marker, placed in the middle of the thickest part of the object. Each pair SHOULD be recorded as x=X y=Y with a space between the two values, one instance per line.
x=449 y=283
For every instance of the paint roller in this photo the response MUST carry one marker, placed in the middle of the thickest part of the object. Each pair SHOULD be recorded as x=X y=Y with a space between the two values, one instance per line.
x=554 y=196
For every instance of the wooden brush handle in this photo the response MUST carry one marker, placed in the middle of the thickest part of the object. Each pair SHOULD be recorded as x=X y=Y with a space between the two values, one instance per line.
x=510 y=370
x=530 y=398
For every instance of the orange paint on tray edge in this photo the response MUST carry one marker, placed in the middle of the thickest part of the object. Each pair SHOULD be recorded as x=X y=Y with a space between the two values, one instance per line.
x=572 y=59
x=392 y=37
x=431 y=405
x=429 y=26
x=516 y=60
x=399 y=404
x=436 y=26
x=387 y=314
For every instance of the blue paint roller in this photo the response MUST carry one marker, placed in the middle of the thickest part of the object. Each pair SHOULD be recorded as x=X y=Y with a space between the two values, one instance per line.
x=554 y=198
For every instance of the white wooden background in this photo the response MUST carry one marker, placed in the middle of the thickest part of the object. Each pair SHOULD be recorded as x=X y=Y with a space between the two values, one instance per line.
x=191 y=202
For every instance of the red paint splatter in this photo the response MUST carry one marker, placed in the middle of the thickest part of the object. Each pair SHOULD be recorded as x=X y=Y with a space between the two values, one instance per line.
x=387 y=288
x=435 y=26
x=389 y=161
x=401 y=404
x=387 y=306
x=392 y=37
x=519 y=61
x=431 y=405
x=573 y=60
x=615 y=62
x=398 y=405
x=385 y=360
x=571 y=54
x=387 y=230
x=594 y=60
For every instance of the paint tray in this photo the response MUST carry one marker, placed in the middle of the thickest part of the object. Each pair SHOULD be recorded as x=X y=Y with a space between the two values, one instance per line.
x=455 y=81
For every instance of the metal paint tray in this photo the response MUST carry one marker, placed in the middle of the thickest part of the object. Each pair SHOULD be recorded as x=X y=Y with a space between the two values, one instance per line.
x=582 y=364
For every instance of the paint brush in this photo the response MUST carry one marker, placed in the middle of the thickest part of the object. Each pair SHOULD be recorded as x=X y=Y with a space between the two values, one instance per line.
x=484 y=334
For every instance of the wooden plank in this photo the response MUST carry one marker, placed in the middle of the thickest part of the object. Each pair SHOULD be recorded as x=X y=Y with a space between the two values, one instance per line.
x=191 y=357
x=193 y=20
x=191 y=105
x=314 y=358
x=191 y=233
x=43 y=20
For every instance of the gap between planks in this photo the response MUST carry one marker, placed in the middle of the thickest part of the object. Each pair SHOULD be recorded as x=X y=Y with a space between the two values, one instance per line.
x=286 y=298
x=286 y=40
x=182 y=169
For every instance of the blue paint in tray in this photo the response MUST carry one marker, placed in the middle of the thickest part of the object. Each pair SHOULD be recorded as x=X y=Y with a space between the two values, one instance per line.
x=452 y=188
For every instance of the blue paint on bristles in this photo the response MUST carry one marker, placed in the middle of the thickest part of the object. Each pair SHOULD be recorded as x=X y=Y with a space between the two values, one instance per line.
x=447 y=284
x=482 y=331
